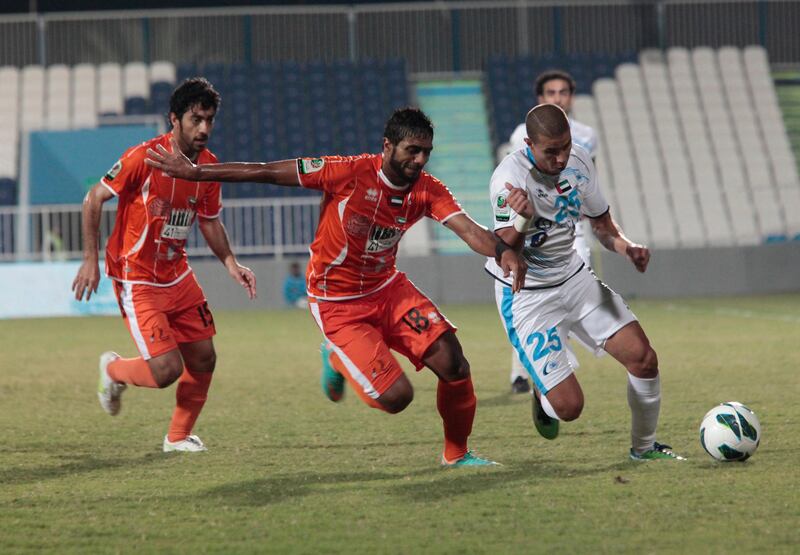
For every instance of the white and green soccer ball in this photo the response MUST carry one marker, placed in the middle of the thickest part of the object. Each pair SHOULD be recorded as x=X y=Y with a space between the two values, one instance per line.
x=730 y=432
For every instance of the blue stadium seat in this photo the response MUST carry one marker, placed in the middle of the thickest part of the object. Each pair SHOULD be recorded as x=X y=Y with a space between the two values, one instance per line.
x=8 y=191
x=184 y=71
x=136 y=106
x=160 y=94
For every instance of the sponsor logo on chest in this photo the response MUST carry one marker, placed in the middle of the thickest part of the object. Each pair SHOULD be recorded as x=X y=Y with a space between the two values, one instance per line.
x=382 y=238
x=179 y=224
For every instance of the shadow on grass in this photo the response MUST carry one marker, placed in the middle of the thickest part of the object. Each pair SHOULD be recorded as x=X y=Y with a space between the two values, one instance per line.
x=422 y=484
x=474 y=480
x=274 y=489
x=76 y=464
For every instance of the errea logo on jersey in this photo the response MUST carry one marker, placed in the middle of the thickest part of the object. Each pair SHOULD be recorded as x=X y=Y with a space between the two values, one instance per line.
x=372 y=195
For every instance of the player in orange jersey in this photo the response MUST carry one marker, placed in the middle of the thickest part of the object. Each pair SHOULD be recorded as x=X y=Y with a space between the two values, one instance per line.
x=362 y=304
x=160 y=299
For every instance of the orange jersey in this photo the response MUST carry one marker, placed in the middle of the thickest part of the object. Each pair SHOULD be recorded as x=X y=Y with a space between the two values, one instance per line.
x=362 y=219
x=155 y=214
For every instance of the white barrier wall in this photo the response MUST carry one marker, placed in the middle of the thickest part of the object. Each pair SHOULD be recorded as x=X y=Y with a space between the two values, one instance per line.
x=30 y=290
x=43 y=289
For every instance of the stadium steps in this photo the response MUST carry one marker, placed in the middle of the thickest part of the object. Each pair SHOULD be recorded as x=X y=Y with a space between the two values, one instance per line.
x=788 y=90
x=463 y=154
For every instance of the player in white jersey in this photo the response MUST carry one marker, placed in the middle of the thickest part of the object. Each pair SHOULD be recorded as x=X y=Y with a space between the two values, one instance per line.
x=556 y=87
x=538 y=195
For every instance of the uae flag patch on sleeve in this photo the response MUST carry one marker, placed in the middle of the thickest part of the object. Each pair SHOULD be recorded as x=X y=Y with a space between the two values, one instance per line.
x=563 y=186
x=396 y=201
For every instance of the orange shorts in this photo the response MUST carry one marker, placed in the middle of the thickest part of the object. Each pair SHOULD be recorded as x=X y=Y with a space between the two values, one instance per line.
x=362 y=330
x=159 y=318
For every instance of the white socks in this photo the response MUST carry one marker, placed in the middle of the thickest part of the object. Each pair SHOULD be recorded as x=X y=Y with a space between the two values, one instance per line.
x=547 y=407
x=517 y=370
x=644 y=399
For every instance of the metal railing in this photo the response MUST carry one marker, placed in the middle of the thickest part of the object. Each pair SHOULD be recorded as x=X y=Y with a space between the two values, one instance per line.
x=432 y=37
x=276 y=227
x=269 y=226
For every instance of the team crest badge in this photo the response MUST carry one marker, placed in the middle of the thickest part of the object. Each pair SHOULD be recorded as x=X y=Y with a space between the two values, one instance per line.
x=114 y=171
x=309 y=165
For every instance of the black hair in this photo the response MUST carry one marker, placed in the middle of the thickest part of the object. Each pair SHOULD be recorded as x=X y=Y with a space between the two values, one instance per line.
x=551 y=74
x=194 y=91
x=408 y=122
x=546 y=120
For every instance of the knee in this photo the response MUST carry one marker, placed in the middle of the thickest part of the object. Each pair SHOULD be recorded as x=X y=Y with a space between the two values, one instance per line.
x=570 y=412
x=398 y=404
x=568 y=408
x=397 y=398
x=456 y=369
x=167 y=373
x=204 y=363
x=645 y=364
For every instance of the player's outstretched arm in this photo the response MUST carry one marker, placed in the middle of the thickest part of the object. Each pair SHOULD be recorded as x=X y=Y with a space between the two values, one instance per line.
x=217 y=238
x=611 y=237
x=484 y=242
x=176 y=164
x=88 y=277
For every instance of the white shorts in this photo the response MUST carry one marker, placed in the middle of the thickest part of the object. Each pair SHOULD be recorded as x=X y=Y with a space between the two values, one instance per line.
x=538 y=322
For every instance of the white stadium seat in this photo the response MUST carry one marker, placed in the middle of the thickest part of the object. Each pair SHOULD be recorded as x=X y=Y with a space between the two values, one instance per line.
x=59 y=94
x=32 y=98
x=162 y=72
x=109 y=89
x=84 y=96
x=136 y=81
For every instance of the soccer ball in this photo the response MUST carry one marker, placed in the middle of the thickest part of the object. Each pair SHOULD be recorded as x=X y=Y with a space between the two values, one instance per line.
x=730 y=432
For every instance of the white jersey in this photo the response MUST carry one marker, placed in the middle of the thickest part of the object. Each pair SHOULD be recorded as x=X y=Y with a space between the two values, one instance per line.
x=558 y=202
x=582 y=135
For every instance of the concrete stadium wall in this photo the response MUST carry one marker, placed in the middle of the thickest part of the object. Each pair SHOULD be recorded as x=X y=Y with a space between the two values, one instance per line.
x=454 y=279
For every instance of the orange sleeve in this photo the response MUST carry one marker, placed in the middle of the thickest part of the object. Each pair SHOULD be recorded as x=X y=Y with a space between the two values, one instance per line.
x=329 y=173
x=210 y=206
x=129 y=172
x=442 y=205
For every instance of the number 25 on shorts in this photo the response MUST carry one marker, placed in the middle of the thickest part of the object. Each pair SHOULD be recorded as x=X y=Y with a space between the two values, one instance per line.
x=543 y=346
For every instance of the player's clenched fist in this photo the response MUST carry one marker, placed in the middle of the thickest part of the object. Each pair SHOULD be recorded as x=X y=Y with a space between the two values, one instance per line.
x=639 y=255
x=519 y=202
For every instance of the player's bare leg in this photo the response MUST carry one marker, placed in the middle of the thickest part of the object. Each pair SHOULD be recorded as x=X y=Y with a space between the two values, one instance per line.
x=631 y=347
x=455 y=399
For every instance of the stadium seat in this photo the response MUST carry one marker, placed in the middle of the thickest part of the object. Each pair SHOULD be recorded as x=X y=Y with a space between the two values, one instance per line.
x=9 y=115
x=162 y=72
x=84 y=96
x=8 y=191
x=185 y=71
x=58 y=93
x=109 y=87
x=32 y=98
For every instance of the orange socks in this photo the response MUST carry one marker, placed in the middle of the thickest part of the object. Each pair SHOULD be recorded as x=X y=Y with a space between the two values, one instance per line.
x=456 y=403
x=191 y=395
x=134 y=371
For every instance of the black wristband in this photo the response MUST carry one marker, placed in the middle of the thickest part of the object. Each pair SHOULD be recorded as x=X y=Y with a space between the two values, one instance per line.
x=500 y=247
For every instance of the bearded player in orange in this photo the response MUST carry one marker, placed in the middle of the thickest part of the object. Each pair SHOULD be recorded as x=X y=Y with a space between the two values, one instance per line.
x=161 y=301
x=362 y=304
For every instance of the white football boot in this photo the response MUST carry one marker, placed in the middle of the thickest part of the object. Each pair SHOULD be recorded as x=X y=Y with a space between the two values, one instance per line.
x=189 y=444
x=109 y=392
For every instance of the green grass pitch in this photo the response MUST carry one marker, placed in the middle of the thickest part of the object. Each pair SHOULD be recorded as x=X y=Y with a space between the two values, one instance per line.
x=290 y=472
